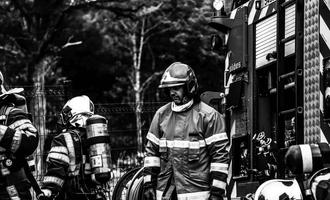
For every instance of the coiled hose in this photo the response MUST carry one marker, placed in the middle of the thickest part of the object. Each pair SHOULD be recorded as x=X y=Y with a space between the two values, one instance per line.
x=129 y=186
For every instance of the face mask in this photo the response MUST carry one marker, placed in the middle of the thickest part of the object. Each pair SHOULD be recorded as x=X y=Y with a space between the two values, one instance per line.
x=79 y=120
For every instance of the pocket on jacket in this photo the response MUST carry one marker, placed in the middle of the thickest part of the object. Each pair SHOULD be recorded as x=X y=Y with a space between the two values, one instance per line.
x=194 y=148
x=201 y=177
x=163 y=149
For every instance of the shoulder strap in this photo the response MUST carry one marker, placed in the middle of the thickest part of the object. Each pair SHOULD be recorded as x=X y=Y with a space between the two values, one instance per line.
x=4 y=112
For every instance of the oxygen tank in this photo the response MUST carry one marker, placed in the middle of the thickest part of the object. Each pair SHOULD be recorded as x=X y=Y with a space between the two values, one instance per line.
x=98 y=140
x=307 y=158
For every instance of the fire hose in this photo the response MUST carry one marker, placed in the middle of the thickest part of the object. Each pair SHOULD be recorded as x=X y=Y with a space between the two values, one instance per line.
x=135 y=188
x=129 y=186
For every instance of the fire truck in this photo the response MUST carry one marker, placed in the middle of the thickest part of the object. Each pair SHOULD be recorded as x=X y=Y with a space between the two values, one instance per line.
x=276 y=82
x=276 y=86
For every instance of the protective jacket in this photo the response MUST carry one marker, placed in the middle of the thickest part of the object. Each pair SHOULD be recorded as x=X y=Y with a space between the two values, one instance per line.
x=18 y=140
x=189 y=149
x=66 y=166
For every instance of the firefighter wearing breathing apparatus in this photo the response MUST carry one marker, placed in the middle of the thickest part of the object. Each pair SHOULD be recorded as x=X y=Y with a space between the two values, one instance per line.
x=18 y=140
x=186 y=156
x=69 y=174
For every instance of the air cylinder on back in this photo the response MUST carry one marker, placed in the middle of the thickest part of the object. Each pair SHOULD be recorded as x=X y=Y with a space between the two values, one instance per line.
x=99 y=148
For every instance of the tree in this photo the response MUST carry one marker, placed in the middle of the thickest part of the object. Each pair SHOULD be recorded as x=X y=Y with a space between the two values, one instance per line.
x=112 y=50
x=32 y=41
x=143 y=34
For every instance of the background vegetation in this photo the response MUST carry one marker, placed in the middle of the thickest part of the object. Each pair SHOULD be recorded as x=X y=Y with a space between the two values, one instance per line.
x=112 y=51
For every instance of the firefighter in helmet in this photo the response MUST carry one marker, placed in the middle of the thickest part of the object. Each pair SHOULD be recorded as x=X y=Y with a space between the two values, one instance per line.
x=67 y=170
x=186 y=156
x=18 y=140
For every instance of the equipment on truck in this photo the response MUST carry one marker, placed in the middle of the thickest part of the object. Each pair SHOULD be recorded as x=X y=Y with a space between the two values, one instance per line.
x=276 y=79
x=276 y=82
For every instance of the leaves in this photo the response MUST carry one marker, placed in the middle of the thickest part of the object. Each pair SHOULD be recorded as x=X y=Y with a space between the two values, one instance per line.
x=99 y=44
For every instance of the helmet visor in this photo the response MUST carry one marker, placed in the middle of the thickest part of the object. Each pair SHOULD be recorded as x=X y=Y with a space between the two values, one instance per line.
x=167 y=85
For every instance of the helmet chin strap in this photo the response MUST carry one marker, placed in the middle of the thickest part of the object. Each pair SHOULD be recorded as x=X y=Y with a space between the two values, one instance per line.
x=183 y=107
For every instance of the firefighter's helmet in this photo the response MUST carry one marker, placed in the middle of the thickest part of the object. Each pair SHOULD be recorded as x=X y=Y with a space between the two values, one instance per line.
x=276 y=189
x=76 y=111
x=179 y=74
x=319 y=184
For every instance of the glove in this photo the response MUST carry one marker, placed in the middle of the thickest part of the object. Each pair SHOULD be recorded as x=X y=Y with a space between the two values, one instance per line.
x=150 y=182
x=45 y=195
x=214 y=197
x=216 y=193
x=149 y=192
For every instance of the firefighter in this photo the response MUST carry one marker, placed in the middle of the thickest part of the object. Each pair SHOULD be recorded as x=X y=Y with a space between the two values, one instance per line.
x=186 y=150
x=67 y=171
x=18 y=140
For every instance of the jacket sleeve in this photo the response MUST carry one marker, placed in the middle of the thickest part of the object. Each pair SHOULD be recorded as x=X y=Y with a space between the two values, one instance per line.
x=57 y=165
x=152 y=159
x=217 y=143
x=20 y=136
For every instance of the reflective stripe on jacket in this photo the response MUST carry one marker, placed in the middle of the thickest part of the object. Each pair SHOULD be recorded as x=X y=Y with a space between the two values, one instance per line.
x=64 y=160
x=188 y=147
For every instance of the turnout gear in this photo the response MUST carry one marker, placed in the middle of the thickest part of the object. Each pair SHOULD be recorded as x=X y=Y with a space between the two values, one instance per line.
x=68 y=173
x=149 y=191
x=179 y=74
x=18 y=140
x=187 y=149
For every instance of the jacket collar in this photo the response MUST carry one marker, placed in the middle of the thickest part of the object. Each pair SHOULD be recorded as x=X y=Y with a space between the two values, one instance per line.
x=181 y=108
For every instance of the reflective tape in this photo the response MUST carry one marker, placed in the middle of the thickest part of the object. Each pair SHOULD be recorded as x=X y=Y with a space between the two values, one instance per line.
x=151 y=161
x=3 y=130
x=194 y=196
x=153 y=138
x=159 y=194
x=18 y=124
x=16 y=142
x=216 y=138
x=58 y=156
x=162 y=143
x=194 y=145
x=175 y=143
x=219 y=167
x=219 y=184
x=307 y=157
x=73 y=167
x=59 y=149
x=53 y=179
x=147 y=179
x=185 y=144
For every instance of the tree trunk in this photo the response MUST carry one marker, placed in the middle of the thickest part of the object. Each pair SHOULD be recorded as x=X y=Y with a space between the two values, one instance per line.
x=137 y=53
x=38 y=110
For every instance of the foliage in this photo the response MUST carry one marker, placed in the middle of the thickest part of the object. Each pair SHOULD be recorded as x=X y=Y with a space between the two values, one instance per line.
x=92 y=45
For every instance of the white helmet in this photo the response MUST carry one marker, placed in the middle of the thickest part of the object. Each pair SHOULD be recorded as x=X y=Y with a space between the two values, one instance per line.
x=273 y=189
x=319 y=184
x=76 y=111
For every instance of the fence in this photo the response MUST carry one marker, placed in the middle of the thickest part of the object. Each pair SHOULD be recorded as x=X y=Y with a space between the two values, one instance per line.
x=121 y=123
